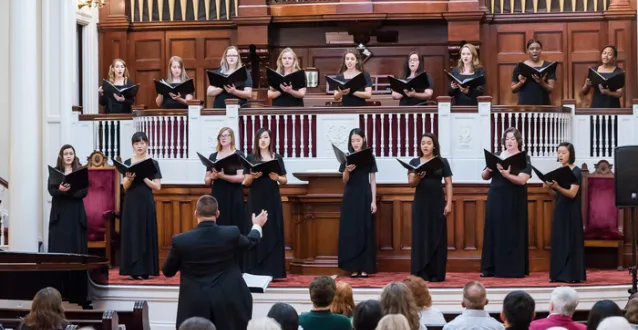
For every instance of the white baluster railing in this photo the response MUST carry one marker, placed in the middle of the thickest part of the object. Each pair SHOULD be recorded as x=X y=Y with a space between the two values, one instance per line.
x=167 y=134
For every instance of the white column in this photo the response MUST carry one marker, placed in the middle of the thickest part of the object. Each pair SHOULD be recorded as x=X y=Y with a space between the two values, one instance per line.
x=445 y=126
x=24 y=114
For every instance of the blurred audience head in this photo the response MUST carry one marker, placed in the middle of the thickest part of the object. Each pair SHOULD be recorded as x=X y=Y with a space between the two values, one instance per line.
x=614 y=323
x=474 y=296
x=396 y=298
x=264 y=323
x=420 y=291
x=343 y=302
x=366 y=315
x=563 y=301
x=197 y=323
x=518 y=309
x=632 y=311
x=322 y=291
x=393 y=322
x=601 y=310
x=285 y=315
x=46 y=312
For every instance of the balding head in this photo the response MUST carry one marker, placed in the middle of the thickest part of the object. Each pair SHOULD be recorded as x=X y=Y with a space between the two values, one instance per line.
x=474 y=295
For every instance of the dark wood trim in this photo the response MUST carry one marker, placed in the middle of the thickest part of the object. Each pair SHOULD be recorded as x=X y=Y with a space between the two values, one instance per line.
x=337 y=110
x=160 y=112
x=4 y=182
x=464 y=109
x=77 y=108
x=530 y=108
x=604 y=111
x=103 y=116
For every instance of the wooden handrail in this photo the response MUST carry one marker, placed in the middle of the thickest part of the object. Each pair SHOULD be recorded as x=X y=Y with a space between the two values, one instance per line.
x=4 y=183
x=160 y=112
x=530 y=108
x=337 y=110
x=603 y=111
x=105 y=116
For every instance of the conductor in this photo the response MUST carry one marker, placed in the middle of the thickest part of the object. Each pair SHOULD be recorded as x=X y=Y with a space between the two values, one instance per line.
x=211 y=283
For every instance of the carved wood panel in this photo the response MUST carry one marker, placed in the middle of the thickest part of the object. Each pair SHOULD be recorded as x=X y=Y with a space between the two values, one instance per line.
x=147 y=61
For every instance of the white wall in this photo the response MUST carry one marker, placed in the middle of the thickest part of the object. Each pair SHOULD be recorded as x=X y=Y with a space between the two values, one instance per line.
x=4 y=97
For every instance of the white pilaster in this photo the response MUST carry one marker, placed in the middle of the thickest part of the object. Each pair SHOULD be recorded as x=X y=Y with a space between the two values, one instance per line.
x=445 y=128
x=88 y=17
x=24 y=145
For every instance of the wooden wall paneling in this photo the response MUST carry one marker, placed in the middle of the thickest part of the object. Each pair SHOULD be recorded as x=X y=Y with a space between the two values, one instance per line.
x=585 y=42
x=147 y=62
x=620 y=34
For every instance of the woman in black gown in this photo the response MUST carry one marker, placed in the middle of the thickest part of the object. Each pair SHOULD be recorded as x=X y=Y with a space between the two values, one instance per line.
x=430 y=208
x=139 y=256
x=533 y=91
x=67 y=222
x=505 y=241
x=567 y=258
x=176 y=75
x=119 y=77
x=287 y=63
x=604 y=97
x=269 y=257
x=350 y=68
x=356 y=252
x=412 y=68
x=469 y=67
x=230 y=62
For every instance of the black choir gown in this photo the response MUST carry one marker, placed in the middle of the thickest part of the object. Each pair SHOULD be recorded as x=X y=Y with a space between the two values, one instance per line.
x=505 y=240
x=139 y=255
x=230 y=200
x=356 y=252
x=67 y=222
x=220 y=99
x=111 y=105
x=429 y=225
x=531 y=93
x=349 y=100
x=567 y=257
x=413 y=100
x=268 y=258
x=460 y=98
x=599 y=100
x=169 y=103
x=287 y=100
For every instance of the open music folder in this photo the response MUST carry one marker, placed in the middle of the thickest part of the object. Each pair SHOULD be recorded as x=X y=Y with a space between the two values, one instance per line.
x=363 y=158
x=127 y=92
x=419 y=83
x=163 y=88
x=528 y=71
x=356 y=83
x=562 y=175
x=228 y=164
x=430 y=166
x=516 y=162
x=78 y=179
x=270 y=166
x=142 y=169
x=468 y=82
x=296 y=79
x=220 y=80
x=614 y=82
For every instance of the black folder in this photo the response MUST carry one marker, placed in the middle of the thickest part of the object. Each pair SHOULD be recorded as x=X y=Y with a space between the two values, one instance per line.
x=164 y=88
x=297 y=79
x=142 y=169
x=127 y=92
x=265 y=168
x=562 y=175
x=468 y=82
x=517 y=162
x=430 y=166
x=614 y=82
x=418 y=84
x=356 y=83
x=363 y=158
x=527 y=71
x=220 y=80
x=78 y=179
x=229 y=164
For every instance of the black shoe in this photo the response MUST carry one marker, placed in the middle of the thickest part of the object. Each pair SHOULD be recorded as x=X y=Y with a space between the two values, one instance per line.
x=145 y=277
x=487 y=275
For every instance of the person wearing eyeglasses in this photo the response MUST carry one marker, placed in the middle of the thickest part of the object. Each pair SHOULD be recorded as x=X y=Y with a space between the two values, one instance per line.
x=231 y=61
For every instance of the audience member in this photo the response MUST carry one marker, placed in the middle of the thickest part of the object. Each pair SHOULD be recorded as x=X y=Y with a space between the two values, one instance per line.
x=46 y=312
x=614 y=323
x=343 y=302
x=601 y=310
x=632 y=313
x=366 y=315
x=396 y=298
x=518 y=310
x=322 y=292
x=264 y=323
x=428 y=315
x=197 y=323
x=474 y=317
x=393 y=322
x=285 y=315
x=562 y=305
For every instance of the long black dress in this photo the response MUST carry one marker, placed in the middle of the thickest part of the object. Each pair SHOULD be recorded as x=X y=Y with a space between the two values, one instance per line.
x=287 y=100
x=220 y=99
x=349 y=100
x=230 y=198
x=139 y=255
x=567 y=257
x=429 y=225
x=269 y=257
x=600 y=100
x=356 y=252
x=505 y=240
x=460 y=98
x=531 y=93
x=413 y=100
x=111 y=105
x=67 y=222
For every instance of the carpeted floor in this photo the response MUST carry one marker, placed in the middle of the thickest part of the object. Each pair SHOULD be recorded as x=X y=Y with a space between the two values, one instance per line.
x=379 y=280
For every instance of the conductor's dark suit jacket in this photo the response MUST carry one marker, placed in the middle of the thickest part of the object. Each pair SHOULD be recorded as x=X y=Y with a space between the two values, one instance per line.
x=211 y=283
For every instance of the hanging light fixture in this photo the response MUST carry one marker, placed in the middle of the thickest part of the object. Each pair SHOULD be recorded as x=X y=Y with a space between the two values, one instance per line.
x=90 y=3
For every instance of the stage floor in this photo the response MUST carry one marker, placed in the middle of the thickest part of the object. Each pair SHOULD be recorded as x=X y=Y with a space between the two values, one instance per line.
x=595 y=277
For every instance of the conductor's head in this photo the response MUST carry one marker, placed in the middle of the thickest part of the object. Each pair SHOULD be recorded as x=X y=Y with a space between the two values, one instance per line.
x=207 y=209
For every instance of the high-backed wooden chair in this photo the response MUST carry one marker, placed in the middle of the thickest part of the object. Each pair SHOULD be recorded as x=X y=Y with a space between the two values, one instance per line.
x=102 y=205
x=602 y=221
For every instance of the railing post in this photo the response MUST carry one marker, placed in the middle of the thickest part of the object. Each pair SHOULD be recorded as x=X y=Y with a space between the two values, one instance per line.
x=485 y=121
x=571 y=104
x=194 y=128
x=232 y=116
x=445 y=125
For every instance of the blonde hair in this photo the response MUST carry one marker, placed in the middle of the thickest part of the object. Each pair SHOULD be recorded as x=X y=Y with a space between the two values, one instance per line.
x=476 y=63
x=393 y=322
x=265 y=323
x=224 y=66
x=396 y=298
x=295 y=63
x=169 y=75
x=231 y=133
x=343 y=302
x=112 y=69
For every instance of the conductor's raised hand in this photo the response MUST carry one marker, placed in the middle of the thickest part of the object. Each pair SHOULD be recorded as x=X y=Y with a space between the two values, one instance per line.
x=274 y=176
x=64 y=187
x=256 y=175
x=351 y=167
x=261 y=218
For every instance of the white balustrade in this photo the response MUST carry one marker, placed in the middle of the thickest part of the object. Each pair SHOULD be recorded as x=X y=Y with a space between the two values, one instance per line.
x=107 y=137
x=167 y=134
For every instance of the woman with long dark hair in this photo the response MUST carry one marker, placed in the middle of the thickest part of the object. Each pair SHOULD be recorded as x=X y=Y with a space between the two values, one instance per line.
x=412 y=67
x=351 y=66
x=67 y=221
x=356 y=253
x=269 y=257
x=430 y=208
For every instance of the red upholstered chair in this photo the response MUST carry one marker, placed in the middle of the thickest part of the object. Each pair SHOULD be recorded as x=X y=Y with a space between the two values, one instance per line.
x=102 y=204
x=602 y=221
